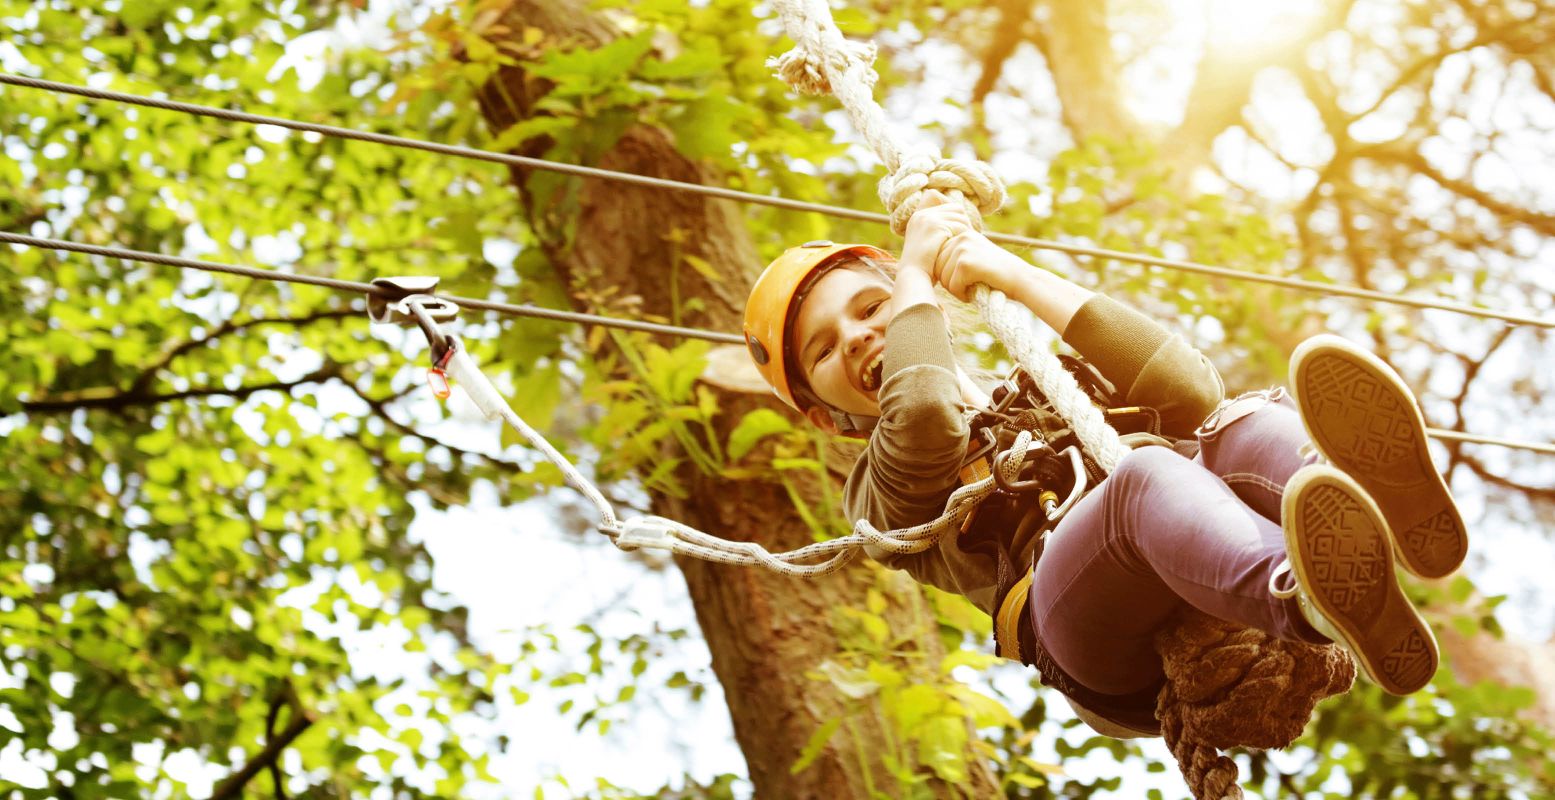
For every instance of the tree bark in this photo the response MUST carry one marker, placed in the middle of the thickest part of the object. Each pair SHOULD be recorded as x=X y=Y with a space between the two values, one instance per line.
x=1077 y=44
x=764 y=631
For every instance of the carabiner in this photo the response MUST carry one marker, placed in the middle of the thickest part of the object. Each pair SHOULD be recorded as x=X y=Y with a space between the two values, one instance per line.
x=1018 y=486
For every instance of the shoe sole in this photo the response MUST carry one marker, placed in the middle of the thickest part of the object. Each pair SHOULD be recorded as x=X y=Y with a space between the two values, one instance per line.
x=1365 y=421
x=1339 y=550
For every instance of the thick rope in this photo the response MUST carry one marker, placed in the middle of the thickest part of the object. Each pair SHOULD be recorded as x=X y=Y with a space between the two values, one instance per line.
x=1226 y=685
x=1230 y=686
x=1015 y=325
x=821 y=61
x=659 y=533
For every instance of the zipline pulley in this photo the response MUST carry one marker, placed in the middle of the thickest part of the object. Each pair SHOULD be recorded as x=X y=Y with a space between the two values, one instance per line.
x=409 y=301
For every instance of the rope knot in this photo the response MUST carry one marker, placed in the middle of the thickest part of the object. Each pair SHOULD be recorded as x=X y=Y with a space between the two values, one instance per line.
x=974 y=182
x=805 y=68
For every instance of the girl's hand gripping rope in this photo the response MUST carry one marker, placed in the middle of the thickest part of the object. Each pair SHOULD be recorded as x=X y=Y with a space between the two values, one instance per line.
x=936 y=221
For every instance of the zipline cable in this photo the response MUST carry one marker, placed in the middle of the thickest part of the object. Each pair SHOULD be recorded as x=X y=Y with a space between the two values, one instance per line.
x=259 y=273
x=518 y=310
x=509 y=159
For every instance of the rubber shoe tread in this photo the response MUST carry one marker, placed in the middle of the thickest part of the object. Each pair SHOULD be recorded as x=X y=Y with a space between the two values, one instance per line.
x=1343 y=563
x=1364 y=420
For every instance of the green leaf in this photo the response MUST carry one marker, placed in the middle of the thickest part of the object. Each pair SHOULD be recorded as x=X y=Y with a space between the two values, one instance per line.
x=850 y=681
x=984 y=711
x=752 y=428
x=817 y=743
x=975 y=659
x=917 y=703
x=942 y=745
x=536 y=396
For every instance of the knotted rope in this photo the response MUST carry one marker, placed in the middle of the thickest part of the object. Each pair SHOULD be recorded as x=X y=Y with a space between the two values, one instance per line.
x=1226 y=685
x=823 y=61
x=1230 y=686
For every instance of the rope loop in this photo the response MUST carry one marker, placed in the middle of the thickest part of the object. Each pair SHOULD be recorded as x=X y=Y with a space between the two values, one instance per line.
x=974 y=182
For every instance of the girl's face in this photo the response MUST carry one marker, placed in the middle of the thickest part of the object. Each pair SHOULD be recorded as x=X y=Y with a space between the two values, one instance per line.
x=839 y=342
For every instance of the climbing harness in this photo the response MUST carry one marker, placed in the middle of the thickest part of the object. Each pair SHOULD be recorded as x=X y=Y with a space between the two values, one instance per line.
x=1010 y=527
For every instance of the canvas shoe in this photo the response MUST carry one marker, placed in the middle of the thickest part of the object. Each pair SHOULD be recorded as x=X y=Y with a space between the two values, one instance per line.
x=1365 y=421
x=1342 y=562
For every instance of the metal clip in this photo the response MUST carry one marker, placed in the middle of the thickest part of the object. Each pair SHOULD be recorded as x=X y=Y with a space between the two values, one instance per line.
x=388 y=306
x=426 y=311
x=1077 y=464
x=647 y=533
x=1050 y=507
x=415 y=307
x=1039 y=447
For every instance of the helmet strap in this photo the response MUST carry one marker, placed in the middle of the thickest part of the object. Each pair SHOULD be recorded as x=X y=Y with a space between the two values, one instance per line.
x=849 y=425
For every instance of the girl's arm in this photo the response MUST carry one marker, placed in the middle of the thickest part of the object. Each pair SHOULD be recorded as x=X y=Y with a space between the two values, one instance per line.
x=971 y=258
x=1146 y=363
x=913 y=459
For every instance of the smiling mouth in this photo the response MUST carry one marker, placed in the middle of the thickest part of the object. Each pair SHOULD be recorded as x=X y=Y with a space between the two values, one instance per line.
x=871 y=377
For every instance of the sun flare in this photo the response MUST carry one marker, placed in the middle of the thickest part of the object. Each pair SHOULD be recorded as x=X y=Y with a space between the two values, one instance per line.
x=1251 y=27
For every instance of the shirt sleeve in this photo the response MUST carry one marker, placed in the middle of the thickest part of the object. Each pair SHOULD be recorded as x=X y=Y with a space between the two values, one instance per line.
x=1148 y=365
x=914 y=454
x=913 y=459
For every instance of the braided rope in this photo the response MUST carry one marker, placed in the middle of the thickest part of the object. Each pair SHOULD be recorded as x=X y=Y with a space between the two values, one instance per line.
x=821 y=61
x=1226 y=685
x=1230 y=686
x=661 y=533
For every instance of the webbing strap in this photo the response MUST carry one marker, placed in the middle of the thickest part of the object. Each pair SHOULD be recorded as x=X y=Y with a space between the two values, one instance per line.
x=1007 y=621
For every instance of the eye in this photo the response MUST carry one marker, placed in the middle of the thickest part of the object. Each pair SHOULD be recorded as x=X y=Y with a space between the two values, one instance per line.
x=821 y=356
x=869 y=311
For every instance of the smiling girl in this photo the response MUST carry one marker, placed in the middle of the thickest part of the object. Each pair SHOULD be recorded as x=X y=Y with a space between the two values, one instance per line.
x=1221 y=506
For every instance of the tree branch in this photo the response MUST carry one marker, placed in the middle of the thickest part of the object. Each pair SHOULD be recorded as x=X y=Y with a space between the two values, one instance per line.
x=1471 y=368
x=380 y=407
x=142 y=383
x=1223 y=84
x=232 y=787
x=275 y=766
x=1544 y=493
x=114 y=400
x=1077 y=44
x=1011 y=30
x=1540 y=222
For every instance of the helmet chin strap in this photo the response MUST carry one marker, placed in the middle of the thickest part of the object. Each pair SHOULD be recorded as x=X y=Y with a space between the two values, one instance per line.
x=850 y=424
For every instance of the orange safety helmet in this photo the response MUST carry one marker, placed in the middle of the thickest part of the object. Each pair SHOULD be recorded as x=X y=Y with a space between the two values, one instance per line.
x=770 y=307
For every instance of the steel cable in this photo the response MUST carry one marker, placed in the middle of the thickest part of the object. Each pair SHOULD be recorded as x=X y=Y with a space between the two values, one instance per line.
x=778 y=202
x=522 y=310
x=519 y=310
x=525 y=310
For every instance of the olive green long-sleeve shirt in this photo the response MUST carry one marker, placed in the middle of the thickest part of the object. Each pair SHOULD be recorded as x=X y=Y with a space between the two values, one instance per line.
x=913 y=459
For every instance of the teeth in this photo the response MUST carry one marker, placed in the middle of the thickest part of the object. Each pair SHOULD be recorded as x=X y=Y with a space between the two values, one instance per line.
x=868 y=376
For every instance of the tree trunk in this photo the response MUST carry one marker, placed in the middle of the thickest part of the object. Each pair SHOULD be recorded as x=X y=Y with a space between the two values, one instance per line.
x=764 y=631
x=1077 y=44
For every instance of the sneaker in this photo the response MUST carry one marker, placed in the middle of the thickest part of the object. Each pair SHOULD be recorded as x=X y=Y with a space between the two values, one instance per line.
x=1365 y=421
x=1342 y=562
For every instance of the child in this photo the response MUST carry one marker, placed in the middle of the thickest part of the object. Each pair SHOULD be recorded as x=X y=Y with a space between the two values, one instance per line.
x=1247 y=529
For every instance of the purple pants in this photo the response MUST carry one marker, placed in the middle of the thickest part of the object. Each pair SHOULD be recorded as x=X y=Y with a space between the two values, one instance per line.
x=1163 y=531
